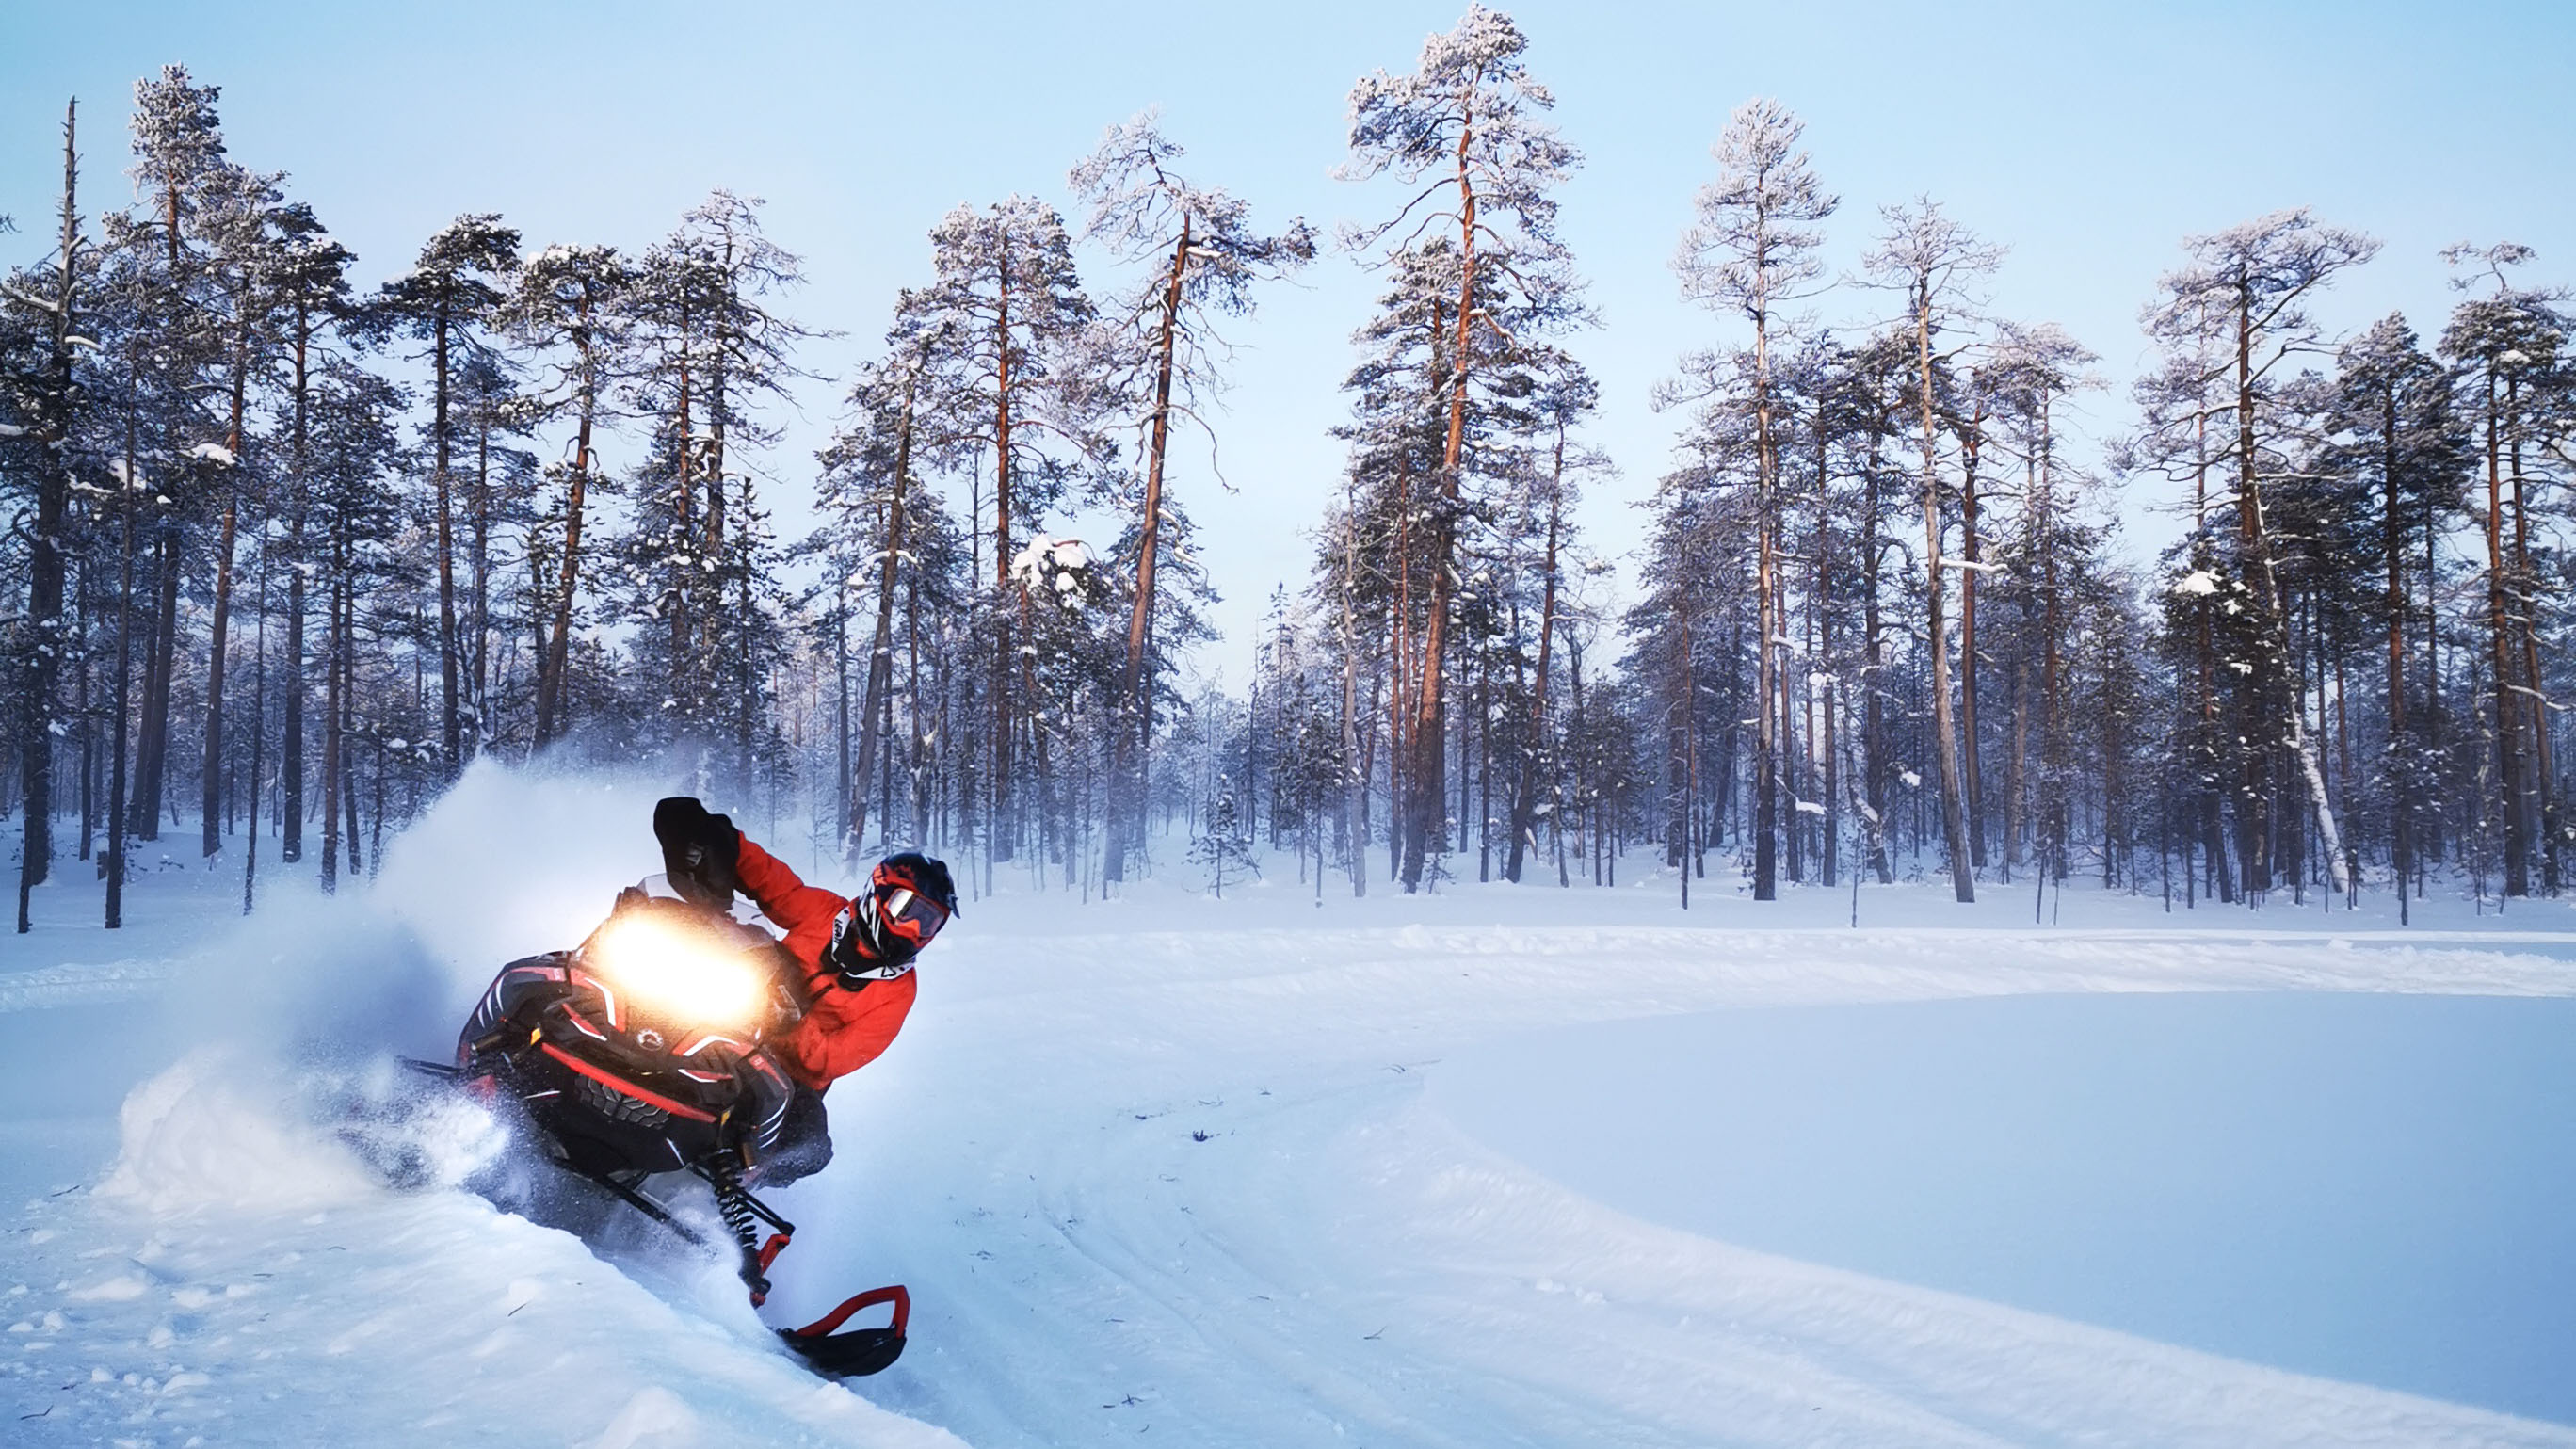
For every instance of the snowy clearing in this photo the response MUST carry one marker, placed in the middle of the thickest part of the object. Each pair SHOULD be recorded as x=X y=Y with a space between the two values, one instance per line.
x=1162 y=1167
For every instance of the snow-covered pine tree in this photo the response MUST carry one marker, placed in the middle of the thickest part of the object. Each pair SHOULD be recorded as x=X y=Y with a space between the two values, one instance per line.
x=39 y=401
x=1205 y=259
x=312 y=285
x=868 y=485
x=450 y=298
x=1564 y=398
x=712 y=348
x=1224 y=845
x=1753 y=252
x=2238 y=310
x=2507 y=342
x=2393 y=431
x=1467 y=116
x=569 y=305
x=2028 y=370
x=237 y=214
x=1931 y=260
x=353 y=448
x=1006 y=304
x=179 y=163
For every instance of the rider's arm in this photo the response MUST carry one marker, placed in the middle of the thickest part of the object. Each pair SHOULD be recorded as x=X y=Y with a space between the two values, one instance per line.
x=845 y=1030
x=782 y=896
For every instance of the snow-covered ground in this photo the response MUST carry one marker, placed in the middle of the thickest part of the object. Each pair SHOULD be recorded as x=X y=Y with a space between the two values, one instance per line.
x=1497 y=1166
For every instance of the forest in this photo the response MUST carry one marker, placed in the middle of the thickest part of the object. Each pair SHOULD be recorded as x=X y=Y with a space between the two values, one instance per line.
x=285 y=554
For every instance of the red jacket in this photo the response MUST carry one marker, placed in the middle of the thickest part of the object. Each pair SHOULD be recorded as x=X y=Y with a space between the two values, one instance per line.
x=843 y=1029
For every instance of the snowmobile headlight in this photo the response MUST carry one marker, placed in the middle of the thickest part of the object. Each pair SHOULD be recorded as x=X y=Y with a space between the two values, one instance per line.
x=679 y=973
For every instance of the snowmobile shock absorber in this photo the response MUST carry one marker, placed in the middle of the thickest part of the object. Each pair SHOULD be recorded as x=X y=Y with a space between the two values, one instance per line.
x=742 y=1218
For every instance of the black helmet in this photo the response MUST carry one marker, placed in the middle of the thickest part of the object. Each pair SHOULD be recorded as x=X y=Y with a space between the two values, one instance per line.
x=909 y=896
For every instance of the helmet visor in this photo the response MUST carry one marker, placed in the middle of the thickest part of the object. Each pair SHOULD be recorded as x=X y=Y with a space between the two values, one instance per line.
x=909 y=916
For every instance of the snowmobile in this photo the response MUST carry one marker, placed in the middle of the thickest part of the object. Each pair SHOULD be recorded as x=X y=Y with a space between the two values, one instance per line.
x=639 y=1054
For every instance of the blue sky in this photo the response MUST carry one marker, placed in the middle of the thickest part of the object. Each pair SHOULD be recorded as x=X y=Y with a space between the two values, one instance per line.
x=2089 y=140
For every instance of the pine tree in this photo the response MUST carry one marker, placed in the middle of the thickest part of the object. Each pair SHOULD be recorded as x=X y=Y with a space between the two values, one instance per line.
x=1224 y=846
x=1752 y=252
x=40 y=390
x=312 y=296
x=570 y=301
x=1206 y=260
x=2506 y=344
x=451 y=295
x=1006 y=305
x=1467 y=115
x=2238 y=311
x=1929 y=258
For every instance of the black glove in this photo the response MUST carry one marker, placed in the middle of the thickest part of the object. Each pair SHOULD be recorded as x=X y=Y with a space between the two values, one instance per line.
x=700 y=852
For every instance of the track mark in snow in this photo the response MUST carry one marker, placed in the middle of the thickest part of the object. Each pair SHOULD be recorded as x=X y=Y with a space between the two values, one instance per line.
x=81 y=984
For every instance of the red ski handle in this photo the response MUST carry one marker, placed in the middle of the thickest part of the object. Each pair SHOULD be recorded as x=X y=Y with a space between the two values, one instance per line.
x=832 y=1321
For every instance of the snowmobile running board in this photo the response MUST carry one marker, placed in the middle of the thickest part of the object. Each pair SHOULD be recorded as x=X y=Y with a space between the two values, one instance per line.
x=851 y=1353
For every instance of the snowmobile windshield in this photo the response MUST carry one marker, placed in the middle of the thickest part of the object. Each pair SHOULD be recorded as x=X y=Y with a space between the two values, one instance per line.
x=683 y=969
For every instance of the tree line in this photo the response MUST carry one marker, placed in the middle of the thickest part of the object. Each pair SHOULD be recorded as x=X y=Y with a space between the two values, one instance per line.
x=296 y=552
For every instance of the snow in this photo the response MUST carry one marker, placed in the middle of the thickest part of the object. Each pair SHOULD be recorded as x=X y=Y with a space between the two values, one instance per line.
x=1043 y=554
x=2365 y=1186
x=215 y=453
x=1245 y=1172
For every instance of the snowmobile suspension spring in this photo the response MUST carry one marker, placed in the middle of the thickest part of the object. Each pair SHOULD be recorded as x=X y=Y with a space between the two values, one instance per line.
x=725 y=1175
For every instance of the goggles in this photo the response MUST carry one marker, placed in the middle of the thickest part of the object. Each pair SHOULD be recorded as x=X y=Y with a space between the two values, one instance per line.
x=907 y=915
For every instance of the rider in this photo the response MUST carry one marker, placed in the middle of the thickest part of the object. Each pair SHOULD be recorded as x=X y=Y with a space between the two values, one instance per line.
x=856 y=953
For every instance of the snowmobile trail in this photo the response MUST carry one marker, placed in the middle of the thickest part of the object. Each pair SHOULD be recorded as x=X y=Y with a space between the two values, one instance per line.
x=1201 y=1192
x=1177 y=1184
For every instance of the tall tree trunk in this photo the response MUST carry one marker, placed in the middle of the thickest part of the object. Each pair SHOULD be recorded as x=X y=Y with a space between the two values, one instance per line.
x=1427 y=780
x=1525 y=795
x=152 y=743
x=333 y=713
x=1355 y=764
x=46 y=636
x=2213 y=837
x=1132 y=737
x=290 y=846
x=478 y=668
x=1829 y=786
x=2055 y=825
x=1002 y=833
x=1792 y=753
x=918 y=758
x=553 y=698
x=1873 y=722
x=258 y=729
x=218 y=629
x=2540 y=793
x=715 y=649
x=451 y=729
x=2402 y=758
x=2276 y=695
x=1767 y=743
x=1972 y=765
x=1945 y=742
x=118 y=825
x=684 y=663
x=874 y=711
